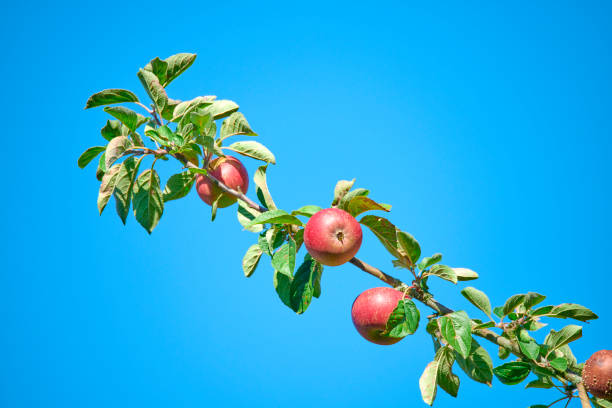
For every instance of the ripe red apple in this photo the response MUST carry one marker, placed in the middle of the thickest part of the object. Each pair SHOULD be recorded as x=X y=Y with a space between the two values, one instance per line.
x=372 y=309
x=332 y=236
x=597 y=374
x=228 y=170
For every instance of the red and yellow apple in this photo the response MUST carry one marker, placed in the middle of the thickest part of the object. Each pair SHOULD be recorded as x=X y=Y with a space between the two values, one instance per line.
x=228 y=170
x=372 y=309
x=332 y=236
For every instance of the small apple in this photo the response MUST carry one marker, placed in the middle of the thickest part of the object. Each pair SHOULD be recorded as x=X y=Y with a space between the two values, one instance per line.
x=230 y=171
x=372 y=309
x=332 y=236
x=597 y=374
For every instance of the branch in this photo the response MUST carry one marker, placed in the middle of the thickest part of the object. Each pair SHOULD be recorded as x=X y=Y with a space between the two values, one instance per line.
x=584 y=398
x=487 y=334
x=388 y=279
x=415 y=293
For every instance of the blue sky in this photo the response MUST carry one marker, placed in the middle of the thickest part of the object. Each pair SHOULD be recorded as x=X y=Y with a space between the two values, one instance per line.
x=487 y=126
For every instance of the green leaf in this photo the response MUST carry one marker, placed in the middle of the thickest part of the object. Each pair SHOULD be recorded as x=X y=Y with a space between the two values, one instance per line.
x=282 y=285
x=124 y=186
x=159 y=68
x=166 y=133
x=247 y=214
x=348 y=197
x=197 y=170
x=564 y=336
x=168 y=111
x=183 y=109
x=126 y=116
x=222 y=108
x=404 y=319
x=177 y=64
x=503 y=353
x=600 y=402
x=385 y=231
x=154 y=89
x=253 y=149
x=532 y=299
x=543 y=382
x=203 y=121
x=306 y=284
x=178 y=185
x=573 y=311
x=478 y=299
x=283 y=260
x=478 y=365
x=530 y=348
x=307 y=210
x=428 y=261
x=275 y=217
x=251 y=259
x=107 y=186
x=456 y=328
x=101 y=167
x=512 y=303
x=236 y=124
x=464 y=274
x=112 y=129
x=115 y=149
x=262 y=188
x=428 y=381
x=88 y=155
x=481 y=326
x=559 y=364
x=342 y=187
x=148 y=203
x=360 y=204
x=448 y=381
x=566 y=352
x=442 y=271
x=513 y=372
x=409 y=245
x=109 y=97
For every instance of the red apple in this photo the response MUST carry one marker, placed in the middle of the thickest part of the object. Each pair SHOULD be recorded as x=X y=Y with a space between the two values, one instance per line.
x=230 y=171
x=372 y=309
x=597 y=374
x=332 y=236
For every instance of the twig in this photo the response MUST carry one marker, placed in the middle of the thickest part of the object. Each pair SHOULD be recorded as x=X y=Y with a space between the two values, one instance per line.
x=582 y=394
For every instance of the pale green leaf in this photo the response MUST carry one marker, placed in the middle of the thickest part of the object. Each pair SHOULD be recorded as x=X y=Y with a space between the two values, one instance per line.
x=342 y=187
x=252 y=149
x=148 y=203
x=263 y=194
x=115 y=149
x=478 y=299
x=124 y=186
x=109 y=97
x=236 y=124
x=428 y=381
x=251 y=259
x=275 y=217
x=429 y=261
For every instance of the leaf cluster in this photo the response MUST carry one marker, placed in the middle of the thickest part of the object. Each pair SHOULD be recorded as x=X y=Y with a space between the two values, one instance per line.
x=184 y=130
